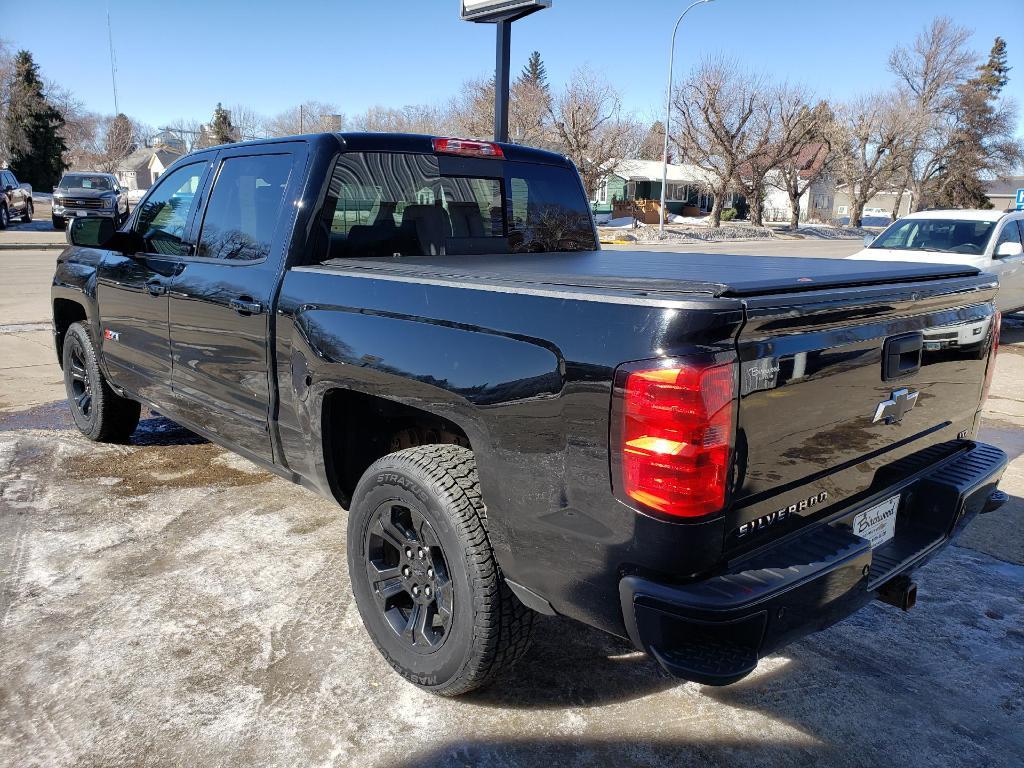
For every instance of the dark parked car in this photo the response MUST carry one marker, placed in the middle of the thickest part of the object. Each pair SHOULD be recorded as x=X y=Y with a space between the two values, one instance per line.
x=710 y=455
x=15 y=200
x=89 y=194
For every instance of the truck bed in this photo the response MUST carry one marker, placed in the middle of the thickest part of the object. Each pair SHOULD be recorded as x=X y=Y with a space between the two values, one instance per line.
x=715 y=275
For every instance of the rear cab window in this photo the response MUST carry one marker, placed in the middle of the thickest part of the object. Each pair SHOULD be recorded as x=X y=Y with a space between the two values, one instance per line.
x=404 y=204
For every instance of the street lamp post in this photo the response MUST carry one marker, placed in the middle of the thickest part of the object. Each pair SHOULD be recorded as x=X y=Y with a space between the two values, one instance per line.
x=668 y=112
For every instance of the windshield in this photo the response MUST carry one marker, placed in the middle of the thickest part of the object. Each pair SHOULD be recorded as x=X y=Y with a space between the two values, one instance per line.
x=86 y=181
x=943 y=235
x=387 y=204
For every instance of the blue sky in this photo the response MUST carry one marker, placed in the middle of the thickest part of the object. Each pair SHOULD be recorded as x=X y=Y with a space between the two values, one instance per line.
x=178 y=58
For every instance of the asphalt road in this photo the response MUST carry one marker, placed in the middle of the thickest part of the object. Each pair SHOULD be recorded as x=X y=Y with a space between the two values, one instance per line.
x=166 y=603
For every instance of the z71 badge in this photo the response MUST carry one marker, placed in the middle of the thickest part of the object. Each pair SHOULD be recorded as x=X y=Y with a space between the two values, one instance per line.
x=110 y=335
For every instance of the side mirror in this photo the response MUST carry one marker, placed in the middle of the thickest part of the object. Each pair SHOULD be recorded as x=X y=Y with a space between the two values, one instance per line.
x=868 y=240
x=8 y=188
x=90 y=233
x=1009 y=249
x=100 y=233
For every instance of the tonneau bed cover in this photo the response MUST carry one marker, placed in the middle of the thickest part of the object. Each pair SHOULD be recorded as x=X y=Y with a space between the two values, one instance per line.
x=719 y=275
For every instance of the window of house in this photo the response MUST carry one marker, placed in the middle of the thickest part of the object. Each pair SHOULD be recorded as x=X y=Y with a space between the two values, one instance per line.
x=602 y=191
x=242 y=213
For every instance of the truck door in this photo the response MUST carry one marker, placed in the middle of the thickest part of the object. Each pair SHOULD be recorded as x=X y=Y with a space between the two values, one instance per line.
x=131 y=291
x=1010 y=269
x=221 y=301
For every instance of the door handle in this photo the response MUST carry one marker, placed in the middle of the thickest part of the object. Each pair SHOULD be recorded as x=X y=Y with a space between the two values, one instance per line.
x=245 y=306
x=156 y=288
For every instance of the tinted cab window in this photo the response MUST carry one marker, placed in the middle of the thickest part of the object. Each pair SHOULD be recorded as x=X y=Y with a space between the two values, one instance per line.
x=388 y=204
x=244 y=206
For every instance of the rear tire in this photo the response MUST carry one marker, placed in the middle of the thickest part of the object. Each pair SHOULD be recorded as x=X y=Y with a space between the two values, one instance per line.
x=424 y=577
x=26 y=216
x=99 y=413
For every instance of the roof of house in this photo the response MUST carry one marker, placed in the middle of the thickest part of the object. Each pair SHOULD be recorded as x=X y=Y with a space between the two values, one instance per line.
x=651 y=170
x=140 y=158
x=1005 y=185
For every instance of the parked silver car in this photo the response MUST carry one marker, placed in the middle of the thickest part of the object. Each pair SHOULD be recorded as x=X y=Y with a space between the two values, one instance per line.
x=83 y=194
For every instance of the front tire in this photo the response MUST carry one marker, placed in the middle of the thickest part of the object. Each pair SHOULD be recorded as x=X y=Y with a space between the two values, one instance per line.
x=99 y=413
x=5 y=217
x=26 y=216
x=424 y=577
x=59 y=223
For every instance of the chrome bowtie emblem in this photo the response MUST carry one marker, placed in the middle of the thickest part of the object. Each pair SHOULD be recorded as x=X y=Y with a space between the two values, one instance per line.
x=893 y=410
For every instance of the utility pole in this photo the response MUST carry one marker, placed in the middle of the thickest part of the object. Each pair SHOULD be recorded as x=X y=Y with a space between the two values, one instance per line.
x=302 y=120
x=668 y=116
x=113 y=65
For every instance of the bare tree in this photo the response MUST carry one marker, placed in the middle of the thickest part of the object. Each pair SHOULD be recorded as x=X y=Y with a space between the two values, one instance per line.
x=590 y=128
x=716 y=125
x=308 y=117
x=471 y=112
x=930 y=73
x=784 y=124
x=414 y=118
x=870 y=148
x=187 y=131
x=813 y=157
x=250 y=123
x=529 y=113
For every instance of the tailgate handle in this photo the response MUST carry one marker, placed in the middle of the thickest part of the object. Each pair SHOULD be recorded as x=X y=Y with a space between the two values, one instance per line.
x=902 y=356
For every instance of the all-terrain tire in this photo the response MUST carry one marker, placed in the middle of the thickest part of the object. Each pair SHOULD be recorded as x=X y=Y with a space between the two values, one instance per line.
x=489 y=628
x=26 y=215
x=99 y=413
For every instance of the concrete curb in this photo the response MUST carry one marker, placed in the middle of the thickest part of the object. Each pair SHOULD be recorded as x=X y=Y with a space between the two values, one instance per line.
x=33 y=246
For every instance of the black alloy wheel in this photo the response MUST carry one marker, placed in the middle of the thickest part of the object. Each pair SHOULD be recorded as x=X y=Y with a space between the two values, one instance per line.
x=409 y=575
x=79 y=382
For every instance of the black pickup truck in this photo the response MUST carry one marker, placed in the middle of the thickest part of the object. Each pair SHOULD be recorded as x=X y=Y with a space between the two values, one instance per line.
x=709 y=455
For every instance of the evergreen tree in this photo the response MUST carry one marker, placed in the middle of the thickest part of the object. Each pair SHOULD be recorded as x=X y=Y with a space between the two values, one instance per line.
x=32 y=127
x=994 y=74
x=983 y=140
x=535 y=72
x=223 y=132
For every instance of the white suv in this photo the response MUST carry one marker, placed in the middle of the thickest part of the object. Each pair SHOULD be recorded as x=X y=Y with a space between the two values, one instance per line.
x=993 y=241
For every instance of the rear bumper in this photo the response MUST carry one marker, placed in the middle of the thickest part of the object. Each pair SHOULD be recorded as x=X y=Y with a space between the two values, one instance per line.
x=714 y=631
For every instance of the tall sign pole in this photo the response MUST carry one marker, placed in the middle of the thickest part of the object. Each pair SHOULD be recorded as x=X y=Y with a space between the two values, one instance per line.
x=501 y=13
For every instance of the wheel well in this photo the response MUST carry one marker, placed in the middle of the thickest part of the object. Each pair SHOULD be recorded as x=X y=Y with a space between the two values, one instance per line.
x=358 y=429
x=65 y=312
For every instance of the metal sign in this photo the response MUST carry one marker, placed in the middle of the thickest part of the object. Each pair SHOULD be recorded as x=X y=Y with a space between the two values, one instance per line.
x=1020 y=199
x=489 y=11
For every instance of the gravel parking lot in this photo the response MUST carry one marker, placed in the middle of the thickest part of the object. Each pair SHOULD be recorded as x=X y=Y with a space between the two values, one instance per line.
x=166 y=603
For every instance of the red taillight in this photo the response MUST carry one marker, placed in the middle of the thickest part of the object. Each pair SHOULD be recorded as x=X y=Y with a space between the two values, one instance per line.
x=468 y=148
x=677 y=425
x=997 y=324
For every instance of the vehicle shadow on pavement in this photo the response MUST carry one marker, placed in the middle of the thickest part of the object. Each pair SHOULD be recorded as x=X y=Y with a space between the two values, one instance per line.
x=571 y=665
x=153 y=429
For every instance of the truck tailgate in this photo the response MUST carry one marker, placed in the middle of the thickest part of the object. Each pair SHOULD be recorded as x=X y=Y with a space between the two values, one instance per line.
x=832 y=394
